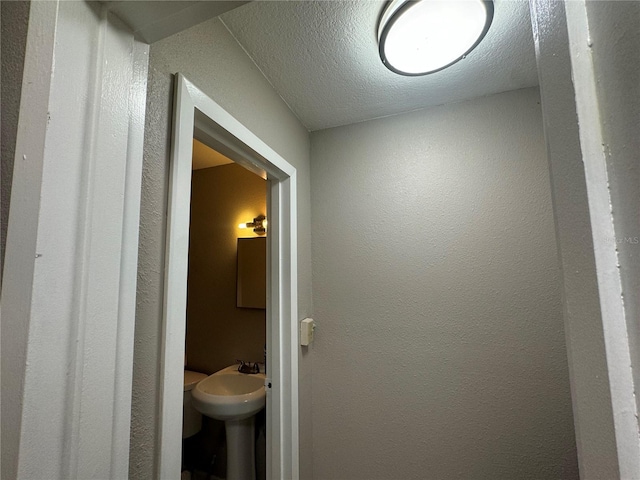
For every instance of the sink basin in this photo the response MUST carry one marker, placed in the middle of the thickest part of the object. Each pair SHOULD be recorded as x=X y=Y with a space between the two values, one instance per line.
x=234 y=398
x=230 y=395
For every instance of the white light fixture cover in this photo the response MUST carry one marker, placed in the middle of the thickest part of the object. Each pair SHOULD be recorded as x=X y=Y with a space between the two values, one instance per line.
x=421 y=37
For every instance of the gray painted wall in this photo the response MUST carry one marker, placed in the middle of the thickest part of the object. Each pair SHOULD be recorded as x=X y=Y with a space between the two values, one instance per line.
x=440 y=349
x=13 y=37
x=210 y=57
x=616 y=43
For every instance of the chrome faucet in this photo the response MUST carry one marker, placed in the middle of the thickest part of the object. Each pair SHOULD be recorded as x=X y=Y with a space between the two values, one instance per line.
x=248 y=367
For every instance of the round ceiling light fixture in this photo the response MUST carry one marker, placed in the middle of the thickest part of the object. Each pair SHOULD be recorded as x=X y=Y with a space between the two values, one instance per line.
x=425 y=36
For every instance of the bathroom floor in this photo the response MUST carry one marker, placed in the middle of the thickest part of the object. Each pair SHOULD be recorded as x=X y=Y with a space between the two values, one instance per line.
x=197 y=475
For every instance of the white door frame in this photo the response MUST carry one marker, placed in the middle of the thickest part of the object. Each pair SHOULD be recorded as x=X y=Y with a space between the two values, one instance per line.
x=69 y=289
x=195 y=114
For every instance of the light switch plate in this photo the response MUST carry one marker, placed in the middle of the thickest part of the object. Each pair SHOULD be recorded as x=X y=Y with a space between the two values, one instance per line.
x=306 y=331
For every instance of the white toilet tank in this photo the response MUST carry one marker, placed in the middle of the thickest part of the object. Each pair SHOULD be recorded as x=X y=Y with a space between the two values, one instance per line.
x=191 y=418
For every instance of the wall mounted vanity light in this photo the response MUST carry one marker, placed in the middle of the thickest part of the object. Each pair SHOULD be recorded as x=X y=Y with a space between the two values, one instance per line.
x=259 y=225
x=425 y=36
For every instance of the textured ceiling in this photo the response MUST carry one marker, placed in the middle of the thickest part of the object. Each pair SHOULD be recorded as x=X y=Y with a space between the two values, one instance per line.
x=322 y=58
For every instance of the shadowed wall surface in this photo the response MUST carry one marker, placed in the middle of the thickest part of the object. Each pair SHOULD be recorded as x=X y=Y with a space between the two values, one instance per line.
x=440 y=350
x=14 y=22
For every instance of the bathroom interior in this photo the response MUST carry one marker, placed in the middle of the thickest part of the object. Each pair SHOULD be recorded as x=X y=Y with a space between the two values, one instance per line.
x=226 y=301
x=427 y=248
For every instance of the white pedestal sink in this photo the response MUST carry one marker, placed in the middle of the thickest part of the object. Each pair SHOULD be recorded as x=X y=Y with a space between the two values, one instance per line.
x=234 y=398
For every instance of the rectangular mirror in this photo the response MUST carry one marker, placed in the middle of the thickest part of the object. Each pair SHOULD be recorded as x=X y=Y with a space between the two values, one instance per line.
x=252 y=273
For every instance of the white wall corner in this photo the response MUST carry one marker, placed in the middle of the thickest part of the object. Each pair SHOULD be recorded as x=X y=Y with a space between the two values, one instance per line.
x=69 y=290
x=595 y=330
x=616 y=336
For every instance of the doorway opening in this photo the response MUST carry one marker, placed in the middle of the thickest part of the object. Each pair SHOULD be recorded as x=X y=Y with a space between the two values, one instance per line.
x=196 y=116
x=226 y=317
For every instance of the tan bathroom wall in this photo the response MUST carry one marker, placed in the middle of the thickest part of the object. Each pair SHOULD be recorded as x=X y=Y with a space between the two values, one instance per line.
x=218 y=332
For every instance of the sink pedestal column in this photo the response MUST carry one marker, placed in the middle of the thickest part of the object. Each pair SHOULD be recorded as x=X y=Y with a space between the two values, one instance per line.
x=241 y=452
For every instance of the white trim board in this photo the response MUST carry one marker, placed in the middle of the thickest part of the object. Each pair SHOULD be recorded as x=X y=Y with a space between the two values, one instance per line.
x=620 y=362
x=600 y=366
x=195 y=114
x=68 y=297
